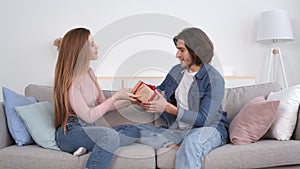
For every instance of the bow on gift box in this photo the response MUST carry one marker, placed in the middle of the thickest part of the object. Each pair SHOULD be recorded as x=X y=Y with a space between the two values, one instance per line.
x=151 y=86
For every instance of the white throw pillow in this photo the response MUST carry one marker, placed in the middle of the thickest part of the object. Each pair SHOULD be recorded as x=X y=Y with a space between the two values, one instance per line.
x=284 y=124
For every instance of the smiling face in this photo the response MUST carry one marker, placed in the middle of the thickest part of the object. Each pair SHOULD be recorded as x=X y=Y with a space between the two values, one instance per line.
x=93 y=48
x=183 y=54
x=185 y=57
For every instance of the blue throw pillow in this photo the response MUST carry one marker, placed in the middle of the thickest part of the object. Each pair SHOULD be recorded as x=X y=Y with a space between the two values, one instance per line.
x=15 y=124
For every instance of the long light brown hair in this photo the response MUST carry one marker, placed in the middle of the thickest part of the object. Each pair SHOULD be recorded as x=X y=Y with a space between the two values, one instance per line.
x=72 y=61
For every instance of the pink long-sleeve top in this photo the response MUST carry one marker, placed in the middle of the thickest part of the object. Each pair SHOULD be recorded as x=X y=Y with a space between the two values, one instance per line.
x=86 y=98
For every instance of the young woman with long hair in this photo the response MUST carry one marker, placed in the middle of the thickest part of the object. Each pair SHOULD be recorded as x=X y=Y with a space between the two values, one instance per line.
x=79 y=102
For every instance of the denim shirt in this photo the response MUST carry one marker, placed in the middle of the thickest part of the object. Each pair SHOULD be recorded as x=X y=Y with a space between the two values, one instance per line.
x=204 y=99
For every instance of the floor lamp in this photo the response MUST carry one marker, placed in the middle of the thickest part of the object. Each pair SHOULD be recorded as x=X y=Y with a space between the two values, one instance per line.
x=274 y=26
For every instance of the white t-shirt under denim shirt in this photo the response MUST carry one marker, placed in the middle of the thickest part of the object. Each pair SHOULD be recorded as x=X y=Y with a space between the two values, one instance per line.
x=181 y=95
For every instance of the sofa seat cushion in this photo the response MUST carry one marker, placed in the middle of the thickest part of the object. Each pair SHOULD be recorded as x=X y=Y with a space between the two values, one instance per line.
x=33 y=156
x=264 y=153
x=135 y=156
x=166 y=158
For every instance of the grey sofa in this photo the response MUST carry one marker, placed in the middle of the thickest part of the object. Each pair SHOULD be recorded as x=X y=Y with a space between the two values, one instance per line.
x=262 y=154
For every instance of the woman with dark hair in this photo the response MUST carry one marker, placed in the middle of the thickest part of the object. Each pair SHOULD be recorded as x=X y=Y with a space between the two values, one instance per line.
x=191 y=107
x=79 y=102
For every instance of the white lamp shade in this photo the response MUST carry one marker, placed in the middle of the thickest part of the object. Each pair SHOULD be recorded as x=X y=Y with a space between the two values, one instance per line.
x=274 y=25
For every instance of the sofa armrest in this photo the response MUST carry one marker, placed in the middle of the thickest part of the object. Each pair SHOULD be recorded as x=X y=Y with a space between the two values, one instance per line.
x=5 y=138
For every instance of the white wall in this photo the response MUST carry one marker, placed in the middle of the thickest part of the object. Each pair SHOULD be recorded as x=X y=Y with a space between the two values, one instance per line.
x=29 y=27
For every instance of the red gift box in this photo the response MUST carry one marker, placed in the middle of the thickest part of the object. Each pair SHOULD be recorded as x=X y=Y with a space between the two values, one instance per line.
x=145 y=91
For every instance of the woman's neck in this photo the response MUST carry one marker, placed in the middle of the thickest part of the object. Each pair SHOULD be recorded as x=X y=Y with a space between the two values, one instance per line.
x=81 y=72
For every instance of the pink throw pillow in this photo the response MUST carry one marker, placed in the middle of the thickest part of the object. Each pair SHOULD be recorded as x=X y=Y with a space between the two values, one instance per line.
x=253 y=121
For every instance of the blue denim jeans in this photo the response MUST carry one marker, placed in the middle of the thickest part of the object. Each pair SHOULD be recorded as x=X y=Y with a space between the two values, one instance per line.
x=159 y=137
x=195 y=143
x=101 y=141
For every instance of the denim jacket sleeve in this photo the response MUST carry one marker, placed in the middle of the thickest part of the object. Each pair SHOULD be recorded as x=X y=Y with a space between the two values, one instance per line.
x=168 y=87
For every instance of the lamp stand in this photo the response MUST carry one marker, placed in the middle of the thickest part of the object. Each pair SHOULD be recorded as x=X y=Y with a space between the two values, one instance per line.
x=275 y=52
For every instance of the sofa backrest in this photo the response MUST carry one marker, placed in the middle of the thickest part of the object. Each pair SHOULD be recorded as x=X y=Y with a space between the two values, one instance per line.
x=131 y=114
x=236 y=98
x=40 y=92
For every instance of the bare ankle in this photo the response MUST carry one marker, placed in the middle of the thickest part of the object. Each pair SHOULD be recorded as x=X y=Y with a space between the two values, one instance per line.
x=173 y=146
